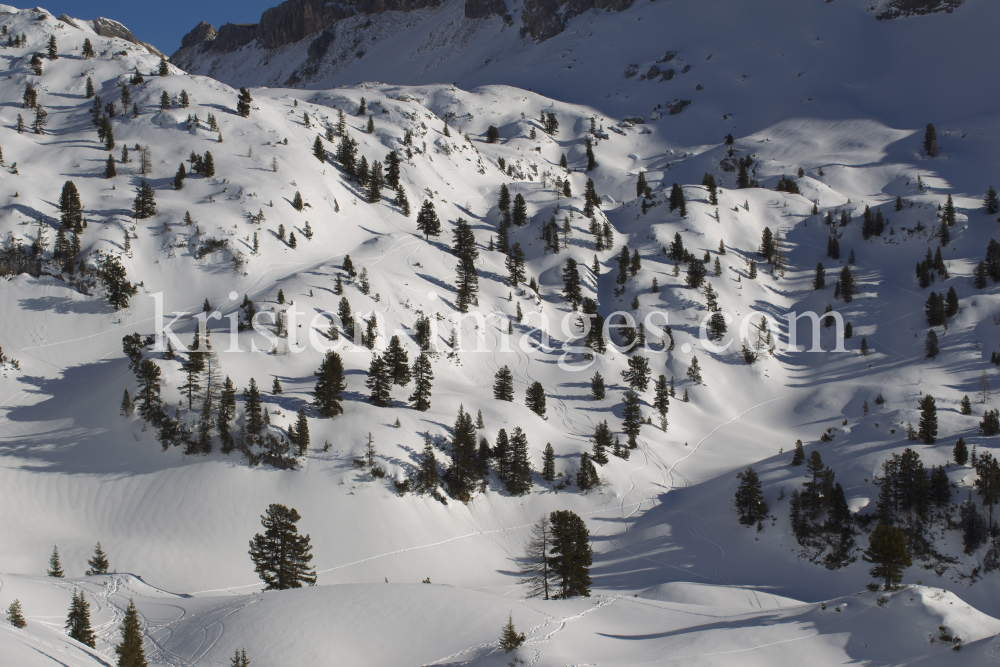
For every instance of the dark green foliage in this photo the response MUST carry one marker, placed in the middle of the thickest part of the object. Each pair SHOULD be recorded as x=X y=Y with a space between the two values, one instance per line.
x=243 y=103
x=847 y=284
x=492 y=135
x=70 y=206
x=461 y=476
x=990 y=425
x=427 y=220
x=515 y=264
x=427 y=475
x=631 y=417
x=695 y=276
x=129 y=650
x=510 y=639
x=15 y=616
x=713 y=190
x=930 y=345
x=889 y=554
x=549 y=463
x=833 y=248
x=330 y=386
x=99 y=563
x=78 y=620
x=147 y=399
x=110 y=170
x=960 y=452
x=55 y=567
x=466 y=275
x=677 y=201
x=280 y=555
x=586 y=476
x=535 y=398
x=144 y=205
x=799 y=457
x=379 y=382
x=787 y=185
x=591 y=159
x=749 y=501
x=637 y=375
x=973 y=526
x=597 y=391
x=930 y=141
x=928 y=426
x=571 y=283
x=572 y=554
x=602 y=440
x=990 y=201
x=518 y=481
x=520 y=212
x=422 y=376
x=503 y=385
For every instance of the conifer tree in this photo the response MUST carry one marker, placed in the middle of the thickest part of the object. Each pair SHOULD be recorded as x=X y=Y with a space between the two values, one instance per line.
x=637 y=375
x=148 y=400
x=78 y=620
x=379 y=382
x=535 y=398
x=510 y=639
x=694 y=371
x=55 y=567
x=930 y=345
x=597 y=391
x=422 y=376
x=427 y=475
x=549 y=463
x=591 y=160
x=586 y=476
x=330 y=386
x=319 y=150
x=799 y=457
x=536 y=565
x=847 y=284
x=930 y=141
x=239 y=659
x=515 y=264
x=243 y=103
x=990 y=201
x=928 y=425
x=864 y=346
x=90 y=87
x=427 y=220
x=749 y=501
x=280 y=555
x=819 y=281
x=960 y=452
x=631 y=417
x=53 y=49
x=889 y=554
x=461 y=476
x=661 y=401
x=129 y=650
x=503 y=385
x=178 y=177
x=15 y=616
x=88 y=49
x=519 y=478
x=571 y=283
x=571 y=552
x=99 y=563
x=520 y=212
x=965 y=406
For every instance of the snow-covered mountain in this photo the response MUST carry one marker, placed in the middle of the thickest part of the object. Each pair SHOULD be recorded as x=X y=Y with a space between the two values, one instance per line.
x=675 y=575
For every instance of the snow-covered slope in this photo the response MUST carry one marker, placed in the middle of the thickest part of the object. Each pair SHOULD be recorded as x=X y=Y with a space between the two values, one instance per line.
x=73 y=471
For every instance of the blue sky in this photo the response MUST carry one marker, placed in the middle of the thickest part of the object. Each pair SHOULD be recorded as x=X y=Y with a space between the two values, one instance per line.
x=162 y=24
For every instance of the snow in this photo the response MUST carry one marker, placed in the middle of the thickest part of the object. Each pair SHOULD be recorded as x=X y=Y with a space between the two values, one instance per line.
x=675 y=577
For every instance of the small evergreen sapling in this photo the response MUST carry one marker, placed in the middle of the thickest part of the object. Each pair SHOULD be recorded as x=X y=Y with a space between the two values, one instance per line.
x=15 y=616
x=99 y=563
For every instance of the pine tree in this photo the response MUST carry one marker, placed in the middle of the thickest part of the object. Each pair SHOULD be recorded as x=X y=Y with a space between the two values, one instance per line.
x=78 y=620
x=749 y=502
x=461 y=476
x=586 y=476
x=510 y=639
x=318 y=150
x=239 y=659
x=965 y=406
x=53 y=50
x=427 y=220
x=990 y=201
x=178 y=177
x=960 y=452
x=602 y=440
x=661 y=401
x=799 y=457
x=930 y=141
x=330 y=386
x=930 y=345
x=819 y=281
x=637 y=375
x=90 y=87
x=864 y=347
x=535 y=398
x=243 y=103
x=129 y=650
x=631 y=417
x=280 y=555
x=591 y=160
x=99 y=563
x=520 y=212
x=15 y=616
x=427 y=475
x=694 y=371
x=148 y=400
x=379 y=382
x=503 y=385
x=55 y=567
x=571 y=283
x=928 y=425
x=422 y=376
x=571 y=552
x=948 y=214
x=519 y=480
x=88 y=49
x=144 y=205
x=889 y=553
x=597 y=391
x=536 y=565
x=549 y=463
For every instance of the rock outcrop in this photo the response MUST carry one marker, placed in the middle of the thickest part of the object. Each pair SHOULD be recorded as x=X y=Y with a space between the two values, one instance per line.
x=482 y=9
x=890 y=9
x=547 y=18
x=108 y=28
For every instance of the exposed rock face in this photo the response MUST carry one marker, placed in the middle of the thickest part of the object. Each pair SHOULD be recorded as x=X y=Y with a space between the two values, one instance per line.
x=232 y=36
x=320 y=45
x=481 y=9
x=890 y=9
x=294 y=20
x=547 y=18
x=203 y=32
x=108 y=28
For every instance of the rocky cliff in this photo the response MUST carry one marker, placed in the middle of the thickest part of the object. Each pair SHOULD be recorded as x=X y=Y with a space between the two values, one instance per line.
x=890 y=9
x=108 y=28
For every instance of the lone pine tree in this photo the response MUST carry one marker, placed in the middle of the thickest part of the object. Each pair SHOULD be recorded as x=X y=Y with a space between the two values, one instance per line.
x=330 y=386
x=99 y=563
x=571 y=552
x=15 y=616
x=928 y=425
x=889 y=554
x=280 y=555
x=129 y=650
x=55 y=567
x=749 y=501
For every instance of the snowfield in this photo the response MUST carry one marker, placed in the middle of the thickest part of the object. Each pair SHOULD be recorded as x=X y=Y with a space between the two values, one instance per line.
x=676 y=579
